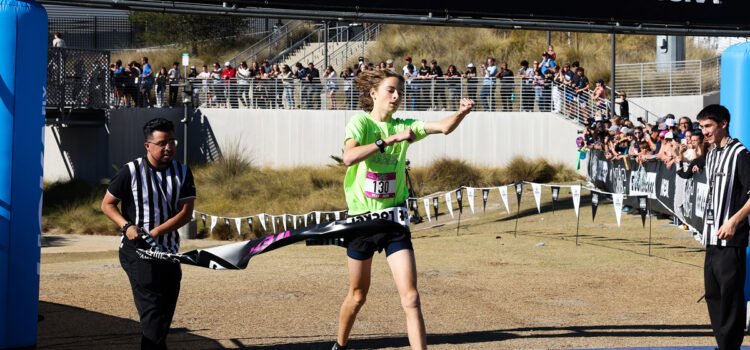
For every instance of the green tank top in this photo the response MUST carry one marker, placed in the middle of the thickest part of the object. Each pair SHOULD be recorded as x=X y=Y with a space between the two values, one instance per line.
x=378 y=182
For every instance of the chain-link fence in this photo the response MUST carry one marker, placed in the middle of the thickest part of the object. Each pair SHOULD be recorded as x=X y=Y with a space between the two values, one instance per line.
x=98 y=32
x=78 y=78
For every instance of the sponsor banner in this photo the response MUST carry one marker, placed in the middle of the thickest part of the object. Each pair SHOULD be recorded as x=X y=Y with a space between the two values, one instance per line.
x=666 y=193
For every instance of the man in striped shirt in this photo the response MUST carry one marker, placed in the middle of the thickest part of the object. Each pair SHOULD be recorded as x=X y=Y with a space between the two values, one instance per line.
x=726 y=227
x=156 y=194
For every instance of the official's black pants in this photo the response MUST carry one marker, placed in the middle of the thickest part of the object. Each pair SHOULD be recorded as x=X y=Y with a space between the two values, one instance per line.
x=724 y=278
x=156 y=286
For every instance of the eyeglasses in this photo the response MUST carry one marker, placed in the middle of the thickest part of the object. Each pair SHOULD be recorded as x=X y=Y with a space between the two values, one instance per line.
x=638 y=133
x=172 y=142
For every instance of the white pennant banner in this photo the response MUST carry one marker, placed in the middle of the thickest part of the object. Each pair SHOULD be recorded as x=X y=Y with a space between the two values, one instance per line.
x=283 y=217
x=214 y=220
x=306 y=215
x=576 y=192
x=504 y=195
x=262 y=219
x=426 y=202
x=317 y=217
x=294 y=221
x=194 y=213
x=238 y=223
x=537 y=188
x=470 y=194
x=448 y=203
x=617 y=202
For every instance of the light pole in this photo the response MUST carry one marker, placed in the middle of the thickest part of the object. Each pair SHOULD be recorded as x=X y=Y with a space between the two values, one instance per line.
x=187 y=99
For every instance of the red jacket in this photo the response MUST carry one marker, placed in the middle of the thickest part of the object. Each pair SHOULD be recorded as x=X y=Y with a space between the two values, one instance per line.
x=228 y=73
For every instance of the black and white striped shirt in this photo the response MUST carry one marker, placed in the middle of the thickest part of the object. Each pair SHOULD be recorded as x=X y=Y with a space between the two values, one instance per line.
x=149 y=196
x=728 y=173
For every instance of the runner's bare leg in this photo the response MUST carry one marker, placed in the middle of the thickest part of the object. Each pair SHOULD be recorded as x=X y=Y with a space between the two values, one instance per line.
x=404 y=269
x=359 y=284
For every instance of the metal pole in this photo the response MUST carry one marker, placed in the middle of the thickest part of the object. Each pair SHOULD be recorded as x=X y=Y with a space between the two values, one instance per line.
x=325 y=48
x=549 y=39
x=185 y=122
x=612 y=78
x=650 y=219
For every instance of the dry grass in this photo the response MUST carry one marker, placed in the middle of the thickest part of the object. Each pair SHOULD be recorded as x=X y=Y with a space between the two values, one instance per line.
x=207 y=53
x=461 y=46
x=233 y=187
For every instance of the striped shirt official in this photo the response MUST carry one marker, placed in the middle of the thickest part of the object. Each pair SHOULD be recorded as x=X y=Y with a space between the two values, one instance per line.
x=728 y=173
x=150 y=196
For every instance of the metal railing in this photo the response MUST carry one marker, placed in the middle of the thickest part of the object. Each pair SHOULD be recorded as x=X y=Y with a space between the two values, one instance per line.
x=669 y=79
x=78 y=78
x=274 y=42
x=355 y=47
x=436 y=94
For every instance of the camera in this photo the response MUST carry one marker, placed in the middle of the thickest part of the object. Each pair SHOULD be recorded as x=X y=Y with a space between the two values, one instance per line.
x=579 y=131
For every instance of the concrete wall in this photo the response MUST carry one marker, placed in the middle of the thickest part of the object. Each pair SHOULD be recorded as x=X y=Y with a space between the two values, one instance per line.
x=75 y=152
x=677 y=105
x=280 y=138
x=283 y=138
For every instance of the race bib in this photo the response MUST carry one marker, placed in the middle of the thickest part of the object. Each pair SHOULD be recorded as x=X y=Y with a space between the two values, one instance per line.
x=380 y=185
x=396 y=214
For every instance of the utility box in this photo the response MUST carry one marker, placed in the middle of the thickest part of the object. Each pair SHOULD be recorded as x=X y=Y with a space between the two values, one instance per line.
x=669 y=49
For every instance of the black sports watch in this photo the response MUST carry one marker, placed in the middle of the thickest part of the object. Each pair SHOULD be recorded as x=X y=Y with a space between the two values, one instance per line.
x=125 y=228
x=381 y=144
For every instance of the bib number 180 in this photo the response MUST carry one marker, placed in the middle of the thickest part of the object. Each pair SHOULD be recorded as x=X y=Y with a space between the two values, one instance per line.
x=380 y=185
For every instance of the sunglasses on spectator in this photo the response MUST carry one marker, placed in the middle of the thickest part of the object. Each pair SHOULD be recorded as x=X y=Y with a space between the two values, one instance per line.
x=638 y=133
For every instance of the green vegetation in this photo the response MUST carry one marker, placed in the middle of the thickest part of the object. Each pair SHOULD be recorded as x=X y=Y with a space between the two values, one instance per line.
x=234 y=187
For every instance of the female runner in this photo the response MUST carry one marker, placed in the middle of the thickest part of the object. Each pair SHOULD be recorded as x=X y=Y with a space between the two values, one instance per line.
x=375 y=152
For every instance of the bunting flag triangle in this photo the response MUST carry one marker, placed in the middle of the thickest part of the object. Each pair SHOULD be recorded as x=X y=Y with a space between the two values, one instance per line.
x=306 y=216
x=504 y=195
x=214 y=220
x=273 y=223
x=617 y=203
x=485 y=194
x=226 y=222
x=250 y=223
x=426 y=203
x=294 y=221
x=537 y=189
x=203 y=218
x=594 y=204
x=555 y=195
x=435 y=206
x=519 y=191
x=643 y=208
x=283 y=218
x=449 y=203
x=238 y=223
x=460 y=200
x=575 y=192
x=470 y=194
x=262 y=219
x=317 y=217
x=194 y=213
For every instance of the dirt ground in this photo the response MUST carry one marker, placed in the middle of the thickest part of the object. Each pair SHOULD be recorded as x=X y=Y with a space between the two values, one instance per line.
x=482 y=289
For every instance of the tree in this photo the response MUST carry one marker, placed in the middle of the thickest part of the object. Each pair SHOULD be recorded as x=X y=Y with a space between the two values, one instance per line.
x=183 y=29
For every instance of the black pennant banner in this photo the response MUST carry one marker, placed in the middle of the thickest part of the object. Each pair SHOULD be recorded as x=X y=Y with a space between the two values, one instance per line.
x=519 y=191
x=226 y=222
x=485 y=194
x=237 y=255
x=643 y=208
x=203 y=218
x=250 y=223
x=435 y=206
x=459 y=199
x=594 y=204
x=555 y=194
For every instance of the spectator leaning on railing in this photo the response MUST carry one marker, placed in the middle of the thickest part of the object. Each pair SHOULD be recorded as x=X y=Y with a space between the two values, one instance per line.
x=506 y=86
x=173 y=78
x=161 y=87
x=243 y=84
x=487 y=95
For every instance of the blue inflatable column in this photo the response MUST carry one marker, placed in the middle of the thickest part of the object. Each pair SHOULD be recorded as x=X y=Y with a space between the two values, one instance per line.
x=23 y=62
x=735 y=96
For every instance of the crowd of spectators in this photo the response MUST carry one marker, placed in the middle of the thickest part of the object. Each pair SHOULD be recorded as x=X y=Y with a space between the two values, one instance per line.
x=675 y=142
x=542 y=85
